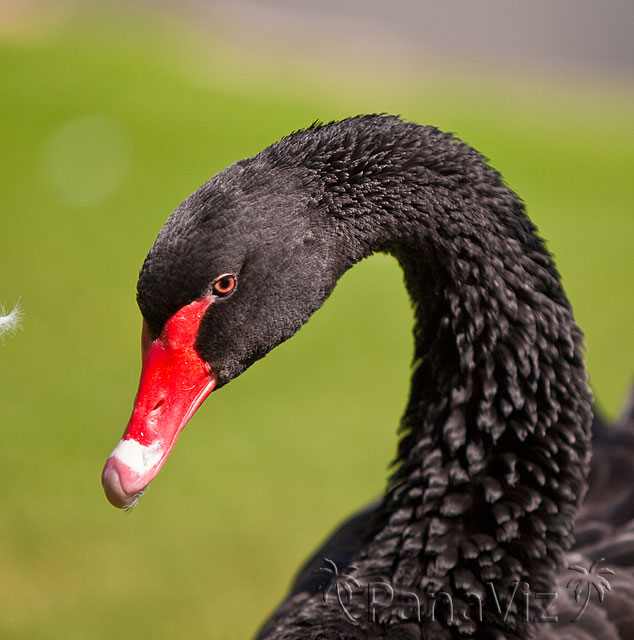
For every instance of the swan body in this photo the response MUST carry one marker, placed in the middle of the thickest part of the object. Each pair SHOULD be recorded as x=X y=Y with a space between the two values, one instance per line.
x=494 y=456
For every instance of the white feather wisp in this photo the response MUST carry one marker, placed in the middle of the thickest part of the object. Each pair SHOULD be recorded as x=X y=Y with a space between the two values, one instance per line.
x=10 y=322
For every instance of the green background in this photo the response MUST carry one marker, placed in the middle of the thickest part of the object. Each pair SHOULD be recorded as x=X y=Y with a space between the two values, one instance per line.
x=106 y=123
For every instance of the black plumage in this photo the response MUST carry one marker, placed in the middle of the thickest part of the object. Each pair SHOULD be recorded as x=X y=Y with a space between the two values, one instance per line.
x=494 y=454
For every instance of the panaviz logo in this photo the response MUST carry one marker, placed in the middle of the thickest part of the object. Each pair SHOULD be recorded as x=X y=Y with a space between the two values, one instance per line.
x=360 y=599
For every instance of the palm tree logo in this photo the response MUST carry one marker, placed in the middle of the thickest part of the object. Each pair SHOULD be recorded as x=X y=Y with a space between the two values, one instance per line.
x=343 y=585
x=590 y=578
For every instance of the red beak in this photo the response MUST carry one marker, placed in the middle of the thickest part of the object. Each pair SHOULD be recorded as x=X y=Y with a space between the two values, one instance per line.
x=175 y=380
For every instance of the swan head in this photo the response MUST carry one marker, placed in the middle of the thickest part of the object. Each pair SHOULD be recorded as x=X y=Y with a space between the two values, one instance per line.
x=237 y=268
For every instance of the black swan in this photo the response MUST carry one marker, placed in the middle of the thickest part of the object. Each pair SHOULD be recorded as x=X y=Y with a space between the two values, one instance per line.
x=474 y=535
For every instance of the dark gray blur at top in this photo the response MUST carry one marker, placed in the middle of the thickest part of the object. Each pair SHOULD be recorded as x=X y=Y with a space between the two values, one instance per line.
x=593 y=36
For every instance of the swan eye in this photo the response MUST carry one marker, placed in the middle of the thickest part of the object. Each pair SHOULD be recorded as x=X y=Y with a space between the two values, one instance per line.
x=224 y=285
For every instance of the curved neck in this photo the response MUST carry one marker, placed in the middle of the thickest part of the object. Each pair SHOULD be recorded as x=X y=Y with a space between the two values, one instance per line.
x=494 y=449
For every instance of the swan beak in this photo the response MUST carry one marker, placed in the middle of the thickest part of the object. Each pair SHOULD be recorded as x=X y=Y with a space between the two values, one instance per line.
x=175 y=381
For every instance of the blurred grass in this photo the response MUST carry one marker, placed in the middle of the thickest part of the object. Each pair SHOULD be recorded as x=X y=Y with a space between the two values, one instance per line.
x=273 y=461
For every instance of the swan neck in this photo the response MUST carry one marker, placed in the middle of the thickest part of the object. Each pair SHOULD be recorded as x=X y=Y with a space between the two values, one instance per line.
x=494 y=451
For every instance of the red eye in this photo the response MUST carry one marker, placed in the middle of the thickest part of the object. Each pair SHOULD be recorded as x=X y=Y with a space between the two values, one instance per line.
x=224 y=285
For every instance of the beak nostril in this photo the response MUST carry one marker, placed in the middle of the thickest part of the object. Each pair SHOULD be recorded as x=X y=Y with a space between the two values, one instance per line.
x=158 y=404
